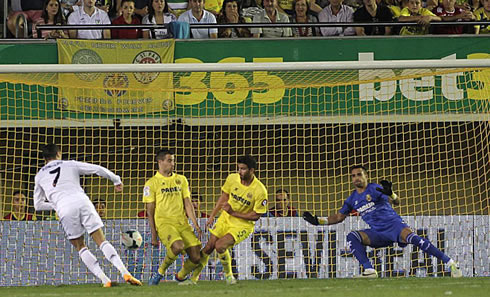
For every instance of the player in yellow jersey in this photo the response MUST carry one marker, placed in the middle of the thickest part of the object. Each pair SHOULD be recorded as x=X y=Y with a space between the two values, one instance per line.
x=414 y=12
x=244 y=201
x=483 y=14
x=167 y=199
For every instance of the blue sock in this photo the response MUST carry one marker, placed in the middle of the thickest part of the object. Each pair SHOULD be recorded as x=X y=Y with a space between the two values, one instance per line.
x=354 y=243
x=425 y=245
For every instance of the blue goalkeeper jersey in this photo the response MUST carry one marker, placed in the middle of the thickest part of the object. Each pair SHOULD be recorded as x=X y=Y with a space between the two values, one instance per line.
x=373 y=206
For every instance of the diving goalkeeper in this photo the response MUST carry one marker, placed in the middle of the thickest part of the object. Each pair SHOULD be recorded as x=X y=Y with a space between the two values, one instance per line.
x=372 y=202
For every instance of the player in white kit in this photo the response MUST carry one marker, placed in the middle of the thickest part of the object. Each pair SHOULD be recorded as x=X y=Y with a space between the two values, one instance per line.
x=57 y=186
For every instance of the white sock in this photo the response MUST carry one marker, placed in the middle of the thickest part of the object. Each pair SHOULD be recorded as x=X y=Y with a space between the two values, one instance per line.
x=111 y=255
x=450 y=262
x=92 y=264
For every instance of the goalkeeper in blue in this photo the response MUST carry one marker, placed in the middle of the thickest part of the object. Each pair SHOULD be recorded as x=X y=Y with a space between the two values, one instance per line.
x=373 y=203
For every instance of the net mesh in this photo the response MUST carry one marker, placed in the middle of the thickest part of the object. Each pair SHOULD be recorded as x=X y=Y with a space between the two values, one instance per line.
x=426 y=130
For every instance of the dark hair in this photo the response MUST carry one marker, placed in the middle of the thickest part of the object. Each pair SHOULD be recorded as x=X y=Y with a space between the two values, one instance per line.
x=239 y=4
x=249 y=161
x=308 y=10
x=59 y=18
x=196 y=195
x=122 y=1
x=282 y=191
x=17 y=192
x=358 y=167
x=162 y=153
x=99 y=200
x=49 y=151
x=151 y=10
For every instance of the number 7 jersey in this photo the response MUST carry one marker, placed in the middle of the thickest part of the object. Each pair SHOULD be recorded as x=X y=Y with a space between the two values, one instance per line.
x=58 y=183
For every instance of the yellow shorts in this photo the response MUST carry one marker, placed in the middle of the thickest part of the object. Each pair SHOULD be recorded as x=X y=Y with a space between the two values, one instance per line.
x=170 y=233
x=239 y=233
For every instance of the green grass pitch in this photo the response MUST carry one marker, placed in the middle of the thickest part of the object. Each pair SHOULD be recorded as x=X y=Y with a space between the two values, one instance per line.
x=395 y=287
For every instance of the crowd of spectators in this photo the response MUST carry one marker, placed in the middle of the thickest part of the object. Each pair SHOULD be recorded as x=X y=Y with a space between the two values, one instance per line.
x=120 y=12
x=280 y=206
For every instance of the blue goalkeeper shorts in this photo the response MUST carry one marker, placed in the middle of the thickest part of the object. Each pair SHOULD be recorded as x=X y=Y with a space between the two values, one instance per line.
x=386 y=237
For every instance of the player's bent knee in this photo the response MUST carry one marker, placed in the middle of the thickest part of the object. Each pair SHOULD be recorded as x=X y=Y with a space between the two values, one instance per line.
x=195 y=258
x=78 y=243
x=405 y=233
x=208 y=249
x=98 y=236
x=210 y=245
x=179 y=244
x=194 y=254
x=221 y=247
x=177 y=251
x=354 y=236
x=177 y=247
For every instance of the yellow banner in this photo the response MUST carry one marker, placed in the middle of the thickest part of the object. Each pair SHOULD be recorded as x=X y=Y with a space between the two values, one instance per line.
x=116 y=93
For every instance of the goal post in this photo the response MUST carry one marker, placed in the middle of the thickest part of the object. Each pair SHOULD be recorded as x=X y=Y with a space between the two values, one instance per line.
x=424 y=125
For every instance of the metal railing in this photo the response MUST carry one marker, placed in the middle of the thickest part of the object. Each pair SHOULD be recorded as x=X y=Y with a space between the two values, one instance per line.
x=17 y=28
x=5 y=14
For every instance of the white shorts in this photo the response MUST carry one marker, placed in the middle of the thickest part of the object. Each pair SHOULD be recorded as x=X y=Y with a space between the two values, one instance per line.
x=77 y=219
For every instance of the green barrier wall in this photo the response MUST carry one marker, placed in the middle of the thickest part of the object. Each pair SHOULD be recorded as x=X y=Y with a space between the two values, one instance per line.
x=429 y=47
x=316 y=101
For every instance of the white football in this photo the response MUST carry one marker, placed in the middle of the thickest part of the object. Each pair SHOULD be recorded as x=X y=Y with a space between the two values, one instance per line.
x=131 y=239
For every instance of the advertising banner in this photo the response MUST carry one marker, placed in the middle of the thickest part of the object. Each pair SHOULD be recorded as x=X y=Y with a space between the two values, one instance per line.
x=115 y=93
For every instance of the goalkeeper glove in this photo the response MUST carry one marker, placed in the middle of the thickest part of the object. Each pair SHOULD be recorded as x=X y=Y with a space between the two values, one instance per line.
x=387 y=189
x=307 y=216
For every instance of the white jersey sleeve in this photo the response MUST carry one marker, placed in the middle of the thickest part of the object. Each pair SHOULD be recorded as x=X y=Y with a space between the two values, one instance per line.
x=40 y=200
x=88 y=169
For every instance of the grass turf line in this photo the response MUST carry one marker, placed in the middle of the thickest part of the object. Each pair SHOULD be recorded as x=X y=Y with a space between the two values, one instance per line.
x=396 y=287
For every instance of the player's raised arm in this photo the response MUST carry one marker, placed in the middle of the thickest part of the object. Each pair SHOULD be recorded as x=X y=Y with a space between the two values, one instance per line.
x=330 y=220
x=88 y=169
x=40 y=200
x=388 y=191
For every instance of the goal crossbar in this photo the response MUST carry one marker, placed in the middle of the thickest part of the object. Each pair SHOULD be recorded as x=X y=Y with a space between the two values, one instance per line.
x=236 y=67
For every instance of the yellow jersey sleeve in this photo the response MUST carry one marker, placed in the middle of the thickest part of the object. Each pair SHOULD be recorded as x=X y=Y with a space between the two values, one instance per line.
x=395 y=10
x=405 y=12
x=149 y=192
x=477 y=15
x=228 y=184
x=186 y=193
x=425 y=11
x=260 y=205
x=422 y=12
